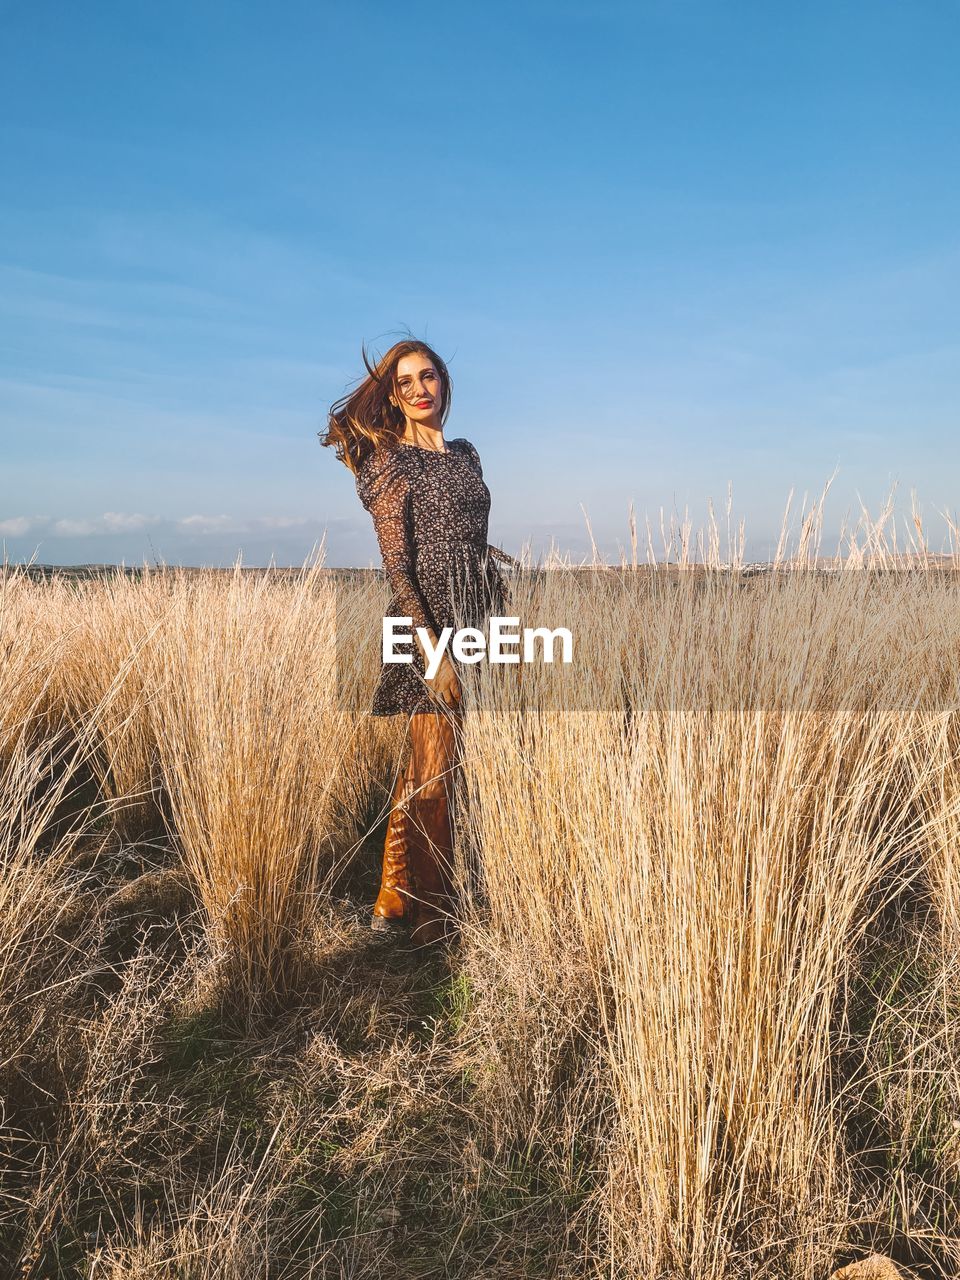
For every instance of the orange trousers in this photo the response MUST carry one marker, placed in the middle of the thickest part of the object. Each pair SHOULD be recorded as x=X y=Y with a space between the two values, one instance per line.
x=416 y=886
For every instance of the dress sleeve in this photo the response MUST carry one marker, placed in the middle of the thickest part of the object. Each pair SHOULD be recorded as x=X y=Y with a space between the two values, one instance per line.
x=472 y=454
x=384 y=489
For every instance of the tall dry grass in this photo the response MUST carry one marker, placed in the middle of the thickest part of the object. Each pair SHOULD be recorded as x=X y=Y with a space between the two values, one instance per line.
x=702 y=1018
x=259 y=757
x=715 y=840
x=108 y=661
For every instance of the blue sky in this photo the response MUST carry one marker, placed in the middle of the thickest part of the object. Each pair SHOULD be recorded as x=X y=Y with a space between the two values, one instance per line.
x=665 y=247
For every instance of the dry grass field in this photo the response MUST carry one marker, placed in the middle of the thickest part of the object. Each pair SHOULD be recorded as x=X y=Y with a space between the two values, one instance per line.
x=702 y=1018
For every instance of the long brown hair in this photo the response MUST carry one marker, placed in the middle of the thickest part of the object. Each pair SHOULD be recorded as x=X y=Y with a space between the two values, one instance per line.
x=364 y=418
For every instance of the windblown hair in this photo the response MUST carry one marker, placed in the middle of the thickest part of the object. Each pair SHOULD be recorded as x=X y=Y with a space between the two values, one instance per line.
x=364 y=418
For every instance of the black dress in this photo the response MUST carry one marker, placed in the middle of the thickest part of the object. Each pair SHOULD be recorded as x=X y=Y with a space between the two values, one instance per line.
x=430 y=513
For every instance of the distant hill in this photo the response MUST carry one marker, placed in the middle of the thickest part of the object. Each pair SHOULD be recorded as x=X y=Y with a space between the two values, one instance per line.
x=823 y=565
x=46 y=571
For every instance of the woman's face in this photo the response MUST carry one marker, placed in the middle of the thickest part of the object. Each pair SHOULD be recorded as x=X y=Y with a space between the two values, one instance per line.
x=419 y=389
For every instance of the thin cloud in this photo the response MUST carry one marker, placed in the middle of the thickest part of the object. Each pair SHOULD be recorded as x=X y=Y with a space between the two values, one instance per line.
x=121 y=522
x=18 y=526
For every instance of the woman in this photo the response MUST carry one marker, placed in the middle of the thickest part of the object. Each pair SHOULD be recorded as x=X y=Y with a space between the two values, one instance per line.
x=430 y=507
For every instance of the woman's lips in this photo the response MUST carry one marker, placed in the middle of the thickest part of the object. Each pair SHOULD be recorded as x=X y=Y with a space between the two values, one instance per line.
x=424 y=404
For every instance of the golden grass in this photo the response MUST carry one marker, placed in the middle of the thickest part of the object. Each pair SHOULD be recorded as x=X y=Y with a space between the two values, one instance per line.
x=702 y=1018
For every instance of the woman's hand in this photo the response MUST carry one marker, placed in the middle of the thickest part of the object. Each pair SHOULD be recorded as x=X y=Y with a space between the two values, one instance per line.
x=446 y=685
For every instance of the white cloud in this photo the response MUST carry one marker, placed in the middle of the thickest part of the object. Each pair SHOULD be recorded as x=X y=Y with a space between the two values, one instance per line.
x=73 y=528
x=209 y=524
x=122 y=522
x=19 y=525
x=282 y=522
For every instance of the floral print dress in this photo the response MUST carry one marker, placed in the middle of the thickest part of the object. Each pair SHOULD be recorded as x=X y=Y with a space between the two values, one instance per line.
x=430 y=511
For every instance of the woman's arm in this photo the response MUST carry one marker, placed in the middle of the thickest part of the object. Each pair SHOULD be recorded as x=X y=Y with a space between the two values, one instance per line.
x=384 y=489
